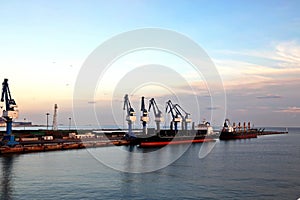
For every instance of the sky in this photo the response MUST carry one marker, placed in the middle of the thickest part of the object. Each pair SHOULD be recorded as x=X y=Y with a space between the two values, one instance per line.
x=254 y=45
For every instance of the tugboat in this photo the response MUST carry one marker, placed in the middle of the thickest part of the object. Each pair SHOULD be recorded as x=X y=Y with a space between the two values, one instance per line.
x=232 y=132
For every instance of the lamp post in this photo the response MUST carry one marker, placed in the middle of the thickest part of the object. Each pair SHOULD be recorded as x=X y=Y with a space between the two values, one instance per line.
x=24 y=123
x=70 y=123
x=47 y=114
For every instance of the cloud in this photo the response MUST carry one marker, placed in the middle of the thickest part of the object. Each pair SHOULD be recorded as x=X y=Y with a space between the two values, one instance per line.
x=284 y=53
x=256 y=69
x=293 y=109
x=269 y=96
x=288 y=53
x=213 y=108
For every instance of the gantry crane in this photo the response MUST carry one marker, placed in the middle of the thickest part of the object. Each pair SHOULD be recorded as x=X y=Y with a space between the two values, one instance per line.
x=144 y=116
x=131 y=116
x=175 y=115
x=185 y=119
x=9 y=113
x=157 y=113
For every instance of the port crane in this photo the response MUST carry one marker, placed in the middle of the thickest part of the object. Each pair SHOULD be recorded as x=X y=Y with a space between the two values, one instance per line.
x=130 y=117
x=175 y=114
x=185 y=119
x=9 y=113
x=157 y=113
x=144 y=116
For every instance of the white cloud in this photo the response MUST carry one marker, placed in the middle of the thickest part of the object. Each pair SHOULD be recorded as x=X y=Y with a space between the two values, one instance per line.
x=293 y=109
x=280 y=65
x=269 y=96
x=288 y=53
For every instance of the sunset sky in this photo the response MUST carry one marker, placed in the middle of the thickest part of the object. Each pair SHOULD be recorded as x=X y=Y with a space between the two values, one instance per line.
x=255 y=46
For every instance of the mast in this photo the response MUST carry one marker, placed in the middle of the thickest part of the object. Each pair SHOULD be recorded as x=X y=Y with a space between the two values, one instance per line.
x=54 y=125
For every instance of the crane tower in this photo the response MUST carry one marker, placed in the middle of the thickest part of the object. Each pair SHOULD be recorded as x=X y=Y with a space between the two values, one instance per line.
x=144 y=117
x=174 y=113
x=54 y=125
x=9 y=113
x=130 y=117
x=157 y=113
x=185 y=119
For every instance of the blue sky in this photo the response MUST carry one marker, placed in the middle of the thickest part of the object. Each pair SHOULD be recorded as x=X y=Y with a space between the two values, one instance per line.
x=254 y=44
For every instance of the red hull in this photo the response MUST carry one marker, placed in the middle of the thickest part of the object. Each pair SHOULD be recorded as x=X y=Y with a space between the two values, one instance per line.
x=164 y=143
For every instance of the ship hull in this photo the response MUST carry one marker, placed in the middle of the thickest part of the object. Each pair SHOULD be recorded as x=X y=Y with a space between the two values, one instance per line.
x=238 y=135
x=172 y=137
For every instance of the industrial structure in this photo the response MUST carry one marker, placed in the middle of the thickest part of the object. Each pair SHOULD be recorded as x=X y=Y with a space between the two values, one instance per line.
x=130 y=116
x=175 y=115
x=144 y=115
x=9 y=113
x=157 y=113
x=54 y=125
x=45 y=140
x=185 y=118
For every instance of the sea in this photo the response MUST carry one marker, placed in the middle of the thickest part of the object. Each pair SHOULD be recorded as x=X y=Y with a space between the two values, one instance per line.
x=264 y=168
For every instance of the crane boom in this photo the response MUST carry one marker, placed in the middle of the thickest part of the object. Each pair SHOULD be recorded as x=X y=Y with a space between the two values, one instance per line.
x=157 y=113
x=185 y=118
x=131 y=116
x=9 y=113
x=174 y=113
x=10 y=103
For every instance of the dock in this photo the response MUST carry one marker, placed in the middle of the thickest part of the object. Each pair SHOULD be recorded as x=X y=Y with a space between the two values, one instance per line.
x=44 y=140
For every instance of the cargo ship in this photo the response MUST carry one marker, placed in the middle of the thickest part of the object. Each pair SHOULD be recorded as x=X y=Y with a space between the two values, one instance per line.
x=156 y=141
x=203 y=133
x=232 y=132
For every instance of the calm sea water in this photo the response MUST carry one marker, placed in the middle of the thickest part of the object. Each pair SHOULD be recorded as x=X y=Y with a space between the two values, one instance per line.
x=264 y=168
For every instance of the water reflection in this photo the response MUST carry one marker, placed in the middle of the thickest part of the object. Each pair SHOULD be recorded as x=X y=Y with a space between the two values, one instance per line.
x=6 y=177
x=138 y=160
